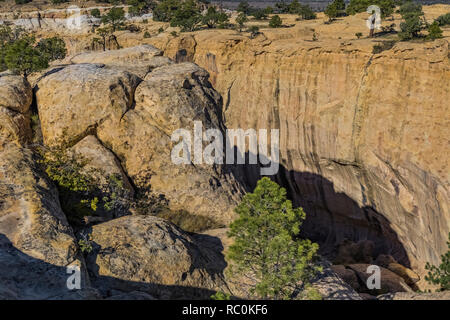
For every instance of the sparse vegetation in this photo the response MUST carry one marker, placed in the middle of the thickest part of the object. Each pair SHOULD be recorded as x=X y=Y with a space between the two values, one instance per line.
x=254 y=31
x=259 y=14
x=52 y=48
x=95 y=13
x=383 y=46
x=306 y=13
x=219 y=295
x=412 y=25
x=85 y=243
x=275 y=22
x=440 y=275
x=443 y=20
x=241 y=19
x=359 y=35
x=386 y=6
x=267 y=249
x=79 y=193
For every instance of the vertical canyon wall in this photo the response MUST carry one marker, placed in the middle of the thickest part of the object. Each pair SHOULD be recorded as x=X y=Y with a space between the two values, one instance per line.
x=363 y=137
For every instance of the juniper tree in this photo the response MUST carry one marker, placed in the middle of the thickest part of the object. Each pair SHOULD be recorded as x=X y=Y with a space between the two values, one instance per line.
x=241 y=19
x=267 y=250
x=440 y=275
x=23 y=57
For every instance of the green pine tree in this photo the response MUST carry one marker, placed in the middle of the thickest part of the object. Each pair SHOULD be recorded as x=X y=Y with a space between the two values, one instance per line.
x=275 y=22
x=22 y=57
x=440 y=275
x=267 y=248
x=241 y=19
x=434 y=31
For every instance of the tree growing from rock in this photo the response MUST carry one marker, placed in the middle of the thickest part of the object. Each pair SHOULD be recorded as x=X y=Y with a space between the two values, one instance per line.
x=53 y=48
x=267 y=251
x=357 y=6
x=440 y=275
x=95 y=13
x=259 y=14
x=443 y=20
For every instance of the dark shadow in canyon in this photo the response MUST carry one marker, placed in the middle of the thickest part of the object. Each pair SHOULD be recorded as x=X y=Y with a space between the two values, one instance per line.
x=331 y=217
x=26 y=277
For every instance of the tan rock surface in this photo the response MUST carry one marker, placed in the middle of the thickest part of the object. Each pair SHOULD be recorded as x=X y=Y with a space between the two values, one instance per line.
x=99 y=162
x=15 y=101
x=151 y=255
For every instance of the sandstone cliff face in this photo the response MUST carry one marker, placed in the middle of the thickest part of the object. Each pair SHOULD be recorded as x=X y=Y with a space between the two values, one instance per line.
x=363 y=136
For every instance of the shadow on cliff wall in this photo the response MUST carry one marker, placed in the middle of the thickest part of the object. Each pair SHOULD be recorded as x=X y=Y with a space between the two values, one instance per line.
x=25 y=277
x=331 y=217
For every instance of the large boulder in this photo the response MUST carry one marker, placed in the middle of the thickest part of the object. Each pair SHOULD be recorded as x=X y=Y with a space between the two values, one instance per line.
x=36 y=242
x=15 y=93
x=74 y=100
x=389 y=281
x=149 y=254
x=388 y=262
x=134 y=118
